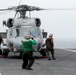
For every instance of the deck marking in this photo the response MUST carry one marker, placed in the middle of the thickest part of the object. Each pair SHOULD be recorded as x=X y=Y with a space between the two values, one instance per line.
x=0 y=73
x=69 y=50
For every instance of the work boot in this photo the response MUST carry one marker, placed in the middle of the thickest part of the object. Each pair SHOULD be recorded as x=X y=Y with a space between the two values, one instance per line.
x=28 y=68
x=54 y=58
x=23 y=68
x=0 y=56
x=49 y=58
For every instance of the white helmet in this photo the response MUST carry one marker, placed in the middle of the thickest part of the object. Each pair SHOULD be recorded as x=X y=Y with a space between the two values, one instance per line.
x=27 y=36
x=50 y=35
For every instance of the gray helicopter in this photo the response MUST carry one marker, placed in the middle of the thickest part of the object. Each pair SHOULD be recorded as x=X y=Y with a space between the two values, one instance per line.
x=21 y=25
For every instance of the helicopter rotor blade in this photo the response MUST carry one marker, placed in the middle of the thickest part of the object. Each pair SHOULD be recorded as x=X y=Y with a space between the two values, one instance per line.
x=19 y=2
x=8 y=9
x=61 y=9
x=32 y=8
x=5 y=9
x=17 y=6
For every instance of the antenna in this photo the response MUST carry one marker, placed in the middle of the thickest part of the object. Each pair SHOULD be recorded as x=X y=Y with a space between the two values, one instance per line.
x=19 y=2
x=18 y=5
x=29 y=13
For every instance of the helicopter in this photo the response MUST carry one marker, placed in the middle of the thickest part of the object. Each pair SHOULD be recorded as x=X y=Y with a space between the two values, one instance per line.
x=21 y=25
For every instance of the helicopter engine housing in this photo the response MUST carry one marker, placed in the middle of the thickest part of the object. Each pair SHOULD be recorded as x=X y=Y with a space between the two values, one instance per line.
x=27 y=22
x=9 y=22
x=38 y=22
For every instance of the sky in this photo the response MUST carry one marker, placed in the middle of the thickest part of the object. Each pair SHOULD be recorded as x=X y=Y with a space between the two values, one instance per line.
x=61 y=23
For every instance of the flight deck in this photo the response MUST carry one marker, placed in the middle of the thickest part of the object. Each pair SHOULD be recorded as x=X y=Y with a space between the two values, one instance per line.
x=65 y=64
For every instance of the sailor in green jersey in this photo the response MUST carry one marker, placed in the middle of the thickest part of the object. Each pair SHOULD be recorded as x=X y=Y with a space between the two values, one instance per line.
x=27 y=55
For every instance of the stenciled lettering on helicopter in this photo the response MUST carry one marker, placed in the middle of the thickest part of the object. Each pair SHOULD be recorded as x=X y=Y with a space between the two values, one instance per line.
x=24 y=22
x=29 y=22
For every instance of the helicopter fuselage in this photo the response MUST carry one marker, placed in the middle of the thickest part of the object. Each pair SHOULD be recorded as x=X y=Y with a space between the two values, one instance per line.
x=22 y=27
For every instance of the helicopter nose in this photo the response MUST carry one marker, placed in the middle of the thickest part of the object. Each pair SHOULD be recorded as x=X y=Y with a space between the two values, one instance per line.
x=38 y=40
x=38 y=46
x=17 y=42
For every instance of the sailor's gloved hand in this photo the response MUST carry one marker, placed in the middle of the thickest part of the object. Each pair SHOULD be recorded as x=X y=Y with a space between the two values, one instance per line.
x=43 y=45
x=21 y=41
x=32 y=38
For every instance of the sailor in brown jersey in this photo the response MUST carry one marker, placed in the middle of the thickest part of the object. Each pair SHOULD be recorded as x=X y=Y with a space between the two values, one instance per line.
x=50 y=47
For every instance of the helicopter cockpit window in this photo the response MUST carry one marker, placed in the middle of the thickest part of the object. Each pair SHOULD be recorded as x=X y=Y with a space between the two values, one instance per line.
x=22 y=31
x=35 y=32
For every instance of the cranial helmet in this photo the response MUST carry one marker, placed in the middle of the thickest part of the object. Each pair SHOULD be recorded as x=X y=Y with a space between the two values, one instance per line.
x=27 y=36
x=51 y=35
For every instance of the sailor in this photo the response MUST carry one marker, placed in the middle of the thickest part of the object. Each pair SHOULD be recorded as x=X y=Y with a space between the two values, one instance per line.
x=1 y=41
x=50 y=47
x=27 y=55
x=4 y=53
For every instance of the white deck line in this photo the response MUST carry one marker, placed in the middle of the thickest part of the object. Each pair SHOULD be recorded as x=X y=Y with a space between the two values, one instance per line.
x=69 y=50
x=0 y=73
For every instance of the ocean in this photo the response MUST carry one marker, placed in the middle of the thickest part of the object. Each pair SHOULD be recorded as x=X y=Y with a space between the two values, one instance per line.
x=65 y=43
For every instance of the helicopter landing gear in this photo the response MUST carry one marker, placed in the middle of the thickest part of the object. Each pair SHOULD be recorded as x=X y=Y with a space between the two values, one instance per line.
x=5 y=52
x=43 y=52
x=21 y=54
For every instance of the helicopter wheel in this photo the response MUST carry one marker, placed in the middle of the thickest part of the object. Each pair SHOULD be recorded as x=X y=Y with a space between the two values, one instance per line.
x=43 y=52
x=5 y=52
x=21 y=54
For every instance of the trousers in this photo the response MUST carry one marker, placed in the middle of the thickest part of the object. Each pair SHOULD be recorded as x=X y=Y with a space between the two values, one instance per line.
x=28 y=59
x=50 y=53
x=0 y=50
